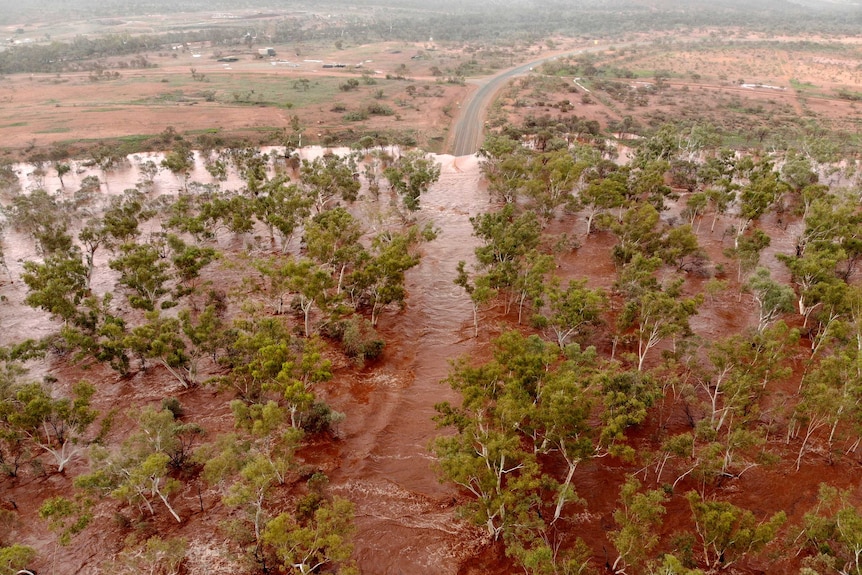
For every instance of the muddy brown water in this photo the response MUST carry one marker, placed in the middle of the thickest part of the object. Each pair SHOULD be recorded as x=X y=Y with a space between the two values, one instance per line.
x=405 y=516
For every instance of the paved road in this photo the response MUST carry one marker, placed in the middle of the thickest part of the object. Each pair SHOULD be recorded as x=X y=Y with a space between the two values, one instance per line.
x=468 y=128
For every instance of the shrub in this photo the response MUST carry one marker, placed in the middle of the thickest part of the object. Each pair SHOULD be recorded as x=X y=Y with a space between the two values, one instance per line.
x=356 y=116
x=351 y=84
x=378 y=109
x=320 y=418
x=358 y=338
x=173 y=405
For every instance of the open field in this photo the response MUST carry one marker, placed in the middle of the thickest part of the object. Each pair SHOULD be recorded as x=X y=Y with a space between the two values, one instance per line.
x=753 y=91
x=408 y=91
x=195 y=94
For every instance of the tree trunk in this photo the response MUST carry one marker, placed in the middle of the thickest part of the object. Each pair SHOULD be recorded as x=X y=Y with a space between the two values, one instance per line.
x=168 y=505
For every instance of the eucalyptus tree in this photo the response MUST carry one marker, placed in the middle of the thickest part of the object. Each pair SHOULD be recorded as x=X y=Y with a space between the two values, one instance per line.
x=812 y=274
x=504 y=165
x=656 y=315
x=552 y=179
x=747 y=252
x=412 y=175
x=144 y=272
x=646 y=183
x=378 y=280
x=180 y=161
x=728 y=439
x=773 y=298
x=639 y=230
x=829 y=396
x=832 y=531
x=57 y=285
x=526 y=420
x=755 y=198
x=329 y=177
x=572 y=310
x=306 y=545
x=160 y=338
x=266 y=365
x=728 y=533
x=93 y=236
x=55 y=425
x=187 y=261
x=44 y=218
x=62 y=169
x=486 y=456
x=478 y=288
x=308 y=283
x=140 y=471
x=123 y=217
x=331 y=238
x=251 y=165
x=509 y=256
x=603 y=194
x=638 y=516
x=282 y=207
x=680 y=248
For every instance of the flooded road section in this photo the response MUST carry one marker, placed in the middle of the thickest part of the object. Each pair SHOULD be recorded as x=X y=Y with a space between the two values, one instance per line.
x=405 y=517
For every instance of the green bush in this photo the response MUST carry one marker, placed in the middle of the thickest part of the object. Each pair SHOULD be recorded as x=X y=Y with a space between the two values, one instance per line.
x=378 y=109
x=173 y=405
x=349 y=85
x=320 y=418
x=359 y=340
x=356 y=116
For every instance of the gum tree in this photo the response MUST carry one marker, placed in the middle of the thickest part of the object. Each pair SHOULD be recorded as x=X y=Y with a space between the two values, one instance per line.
x=573 y=309
x=411 y=175
x=57 y=426
x=728 y=533
x=306 y=545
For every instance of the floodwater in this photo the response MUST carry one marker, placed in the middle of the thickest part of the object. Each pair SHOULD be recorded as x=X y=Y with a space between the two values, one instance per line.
x=405 y=516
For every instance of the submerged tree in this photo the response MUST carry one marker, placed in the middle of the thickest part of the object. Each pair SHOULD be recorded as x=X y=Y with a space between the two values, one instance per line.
x=58 y=285
x=57 y=426
x=305 y=545
x=378 y=280
x=728 y=533
x=329 y=177
x=411 y=175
